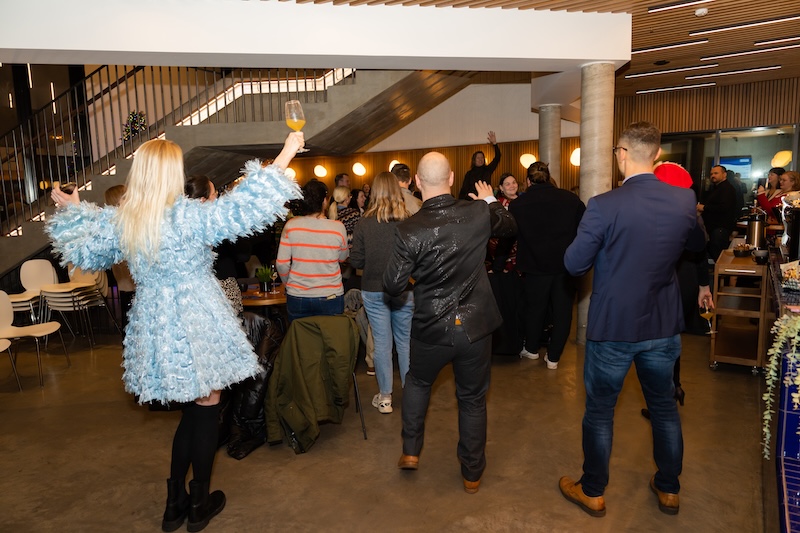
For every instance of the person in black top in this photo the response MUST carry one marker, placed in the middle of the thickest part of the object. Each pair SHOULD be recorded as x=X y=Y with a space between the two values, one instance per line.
x=480 y=171
x=719 y=211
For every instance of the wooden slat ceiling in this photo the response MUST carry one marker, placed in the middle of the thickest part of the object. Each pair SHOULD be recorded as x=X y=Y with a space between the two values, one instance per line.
x=671 y=27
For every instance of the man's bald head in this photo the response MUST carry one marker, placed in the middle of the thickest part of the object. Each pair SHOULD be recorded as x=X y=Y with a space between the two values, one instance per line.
x=434 y=170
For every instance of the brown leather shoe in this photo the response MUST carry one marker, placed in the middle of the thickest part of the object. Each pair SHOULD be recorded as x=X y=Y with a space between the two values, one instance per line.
x=408 y=462
x=667 y=501
x=471 y=487
x=572 y=490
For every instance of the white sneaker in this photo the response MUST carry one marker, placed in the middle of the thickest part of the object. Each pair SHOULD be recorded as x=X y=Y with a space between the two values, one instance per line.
x=550 y=364
x=529 y=355
x=382 y=403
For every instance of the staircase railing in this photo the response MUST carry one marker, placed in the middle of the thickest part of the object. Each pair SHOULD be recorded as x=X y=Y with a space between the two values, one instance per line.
x=106 y=116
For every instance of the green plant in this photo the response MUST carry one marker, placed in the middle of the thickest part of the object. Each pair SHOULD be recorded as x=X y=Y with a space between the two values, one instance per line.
x=786 y=330
x=264 y=274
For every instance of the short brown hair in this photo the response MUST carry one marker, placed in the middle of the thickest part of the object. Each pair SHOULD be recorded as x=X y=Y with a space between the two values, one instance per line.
x=644 y=139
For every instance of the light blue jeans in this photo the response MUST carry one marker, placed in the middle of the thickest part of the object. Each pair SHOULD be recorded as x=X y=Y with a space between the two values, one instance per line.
x=389 y=317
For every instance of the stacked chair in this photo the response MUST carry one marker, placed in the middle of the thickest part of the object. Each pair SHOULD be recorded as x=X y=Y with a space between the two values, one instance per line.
x=33 y=274
x=83 y=292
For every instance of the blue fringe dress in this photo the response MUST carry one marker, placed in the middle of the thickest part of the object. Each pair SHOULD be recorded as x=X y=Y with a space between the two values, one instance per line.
x=182 y=340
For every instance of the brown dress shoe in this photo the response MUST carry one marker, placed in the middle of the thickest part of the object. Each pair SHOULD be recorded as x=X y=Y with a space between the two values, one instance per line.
x=572 y=490
x=667 y=501
x=471 y=487
x=408 y=462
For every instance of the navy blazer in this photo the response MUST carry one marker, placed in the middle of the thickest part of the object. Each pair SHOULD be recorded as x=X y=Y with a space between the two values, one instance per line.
x=443 y=247
x=634 y=235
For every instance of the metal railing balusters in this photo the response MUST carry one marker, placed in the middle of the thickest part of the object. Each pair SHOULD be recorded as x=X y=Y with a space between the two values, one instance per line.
x=84 y=137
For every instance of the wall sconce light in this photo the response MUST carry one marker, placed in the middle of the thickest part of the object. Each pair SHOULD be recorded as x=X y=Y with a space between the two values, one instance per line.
x=359 y=170
x=320 y=171
x=393 y=163
x=575 y=157
x=527 y=160
x=782 y=158
x=290 y=173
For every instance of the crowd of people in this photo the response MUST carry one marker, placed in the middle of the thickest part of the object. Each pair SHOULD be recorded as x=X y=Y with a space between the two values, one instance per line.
x=442 y=277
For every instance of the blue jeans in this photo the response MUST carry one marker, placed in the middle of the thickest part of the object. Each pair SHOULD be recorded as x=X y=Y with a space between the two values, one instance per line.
x=299 y=307
x=605 y=367
x=389 y=317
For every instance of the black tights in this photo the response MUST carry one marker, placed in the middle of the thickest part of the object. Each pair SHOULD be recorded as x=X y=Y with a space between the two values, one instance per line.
x=195 y=442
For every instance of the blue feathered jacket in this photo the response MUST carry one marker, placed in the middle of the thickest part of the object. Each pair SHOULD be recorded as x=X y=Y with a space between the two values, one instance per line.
x=182 y=340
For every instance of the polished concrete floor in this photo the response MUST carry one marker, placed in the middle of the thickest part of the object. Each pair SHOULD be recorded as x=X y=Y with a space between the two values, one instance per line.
x=80 y=455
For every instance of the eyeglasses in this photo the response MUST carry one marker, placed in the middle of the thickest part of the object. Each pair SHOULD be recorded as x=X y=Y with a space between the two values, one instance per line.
x=614 y=150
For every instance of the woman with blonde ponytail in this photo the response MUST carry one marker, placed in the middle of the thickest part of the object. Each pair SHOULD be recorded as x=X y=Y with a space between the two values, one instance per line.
x=170 y=351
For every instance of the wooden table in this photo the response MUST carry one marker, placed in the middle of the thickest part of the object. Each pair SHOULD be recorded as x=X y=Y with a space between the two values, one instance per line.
x=253 y=297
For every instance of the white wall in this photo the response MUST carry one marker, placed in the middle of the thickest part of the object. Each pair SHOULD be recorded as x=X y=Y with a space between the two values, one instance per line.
x=467 y=117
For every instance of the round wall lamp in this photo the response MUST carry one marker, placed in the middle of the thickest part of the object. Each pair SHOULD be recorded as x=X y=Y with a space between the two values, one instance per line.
x=320 y=171
x=575 y=157
x=290 y=173
x=527 y=160
x=359 y=170
x=782 y=158
x=393 y=163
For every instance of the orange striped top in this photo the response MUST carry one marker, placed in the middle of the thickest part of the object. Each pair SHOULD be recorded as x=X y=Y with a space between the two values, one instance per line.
x=309 y=255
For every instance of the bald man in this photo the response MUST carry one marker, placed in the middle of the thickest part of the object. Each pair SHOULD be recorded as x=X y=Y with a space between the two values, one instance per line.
x=442 y=249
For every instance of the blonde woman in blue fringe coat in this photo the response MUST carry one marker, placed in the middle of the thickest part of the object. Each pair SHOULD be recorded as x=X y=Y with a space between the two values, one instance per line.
x=171 y=353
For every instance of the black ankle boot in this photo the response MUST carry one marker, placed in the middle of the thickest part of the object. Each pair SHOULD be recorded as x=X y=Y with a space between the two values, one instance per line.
x=203 y=506
x=177 y=506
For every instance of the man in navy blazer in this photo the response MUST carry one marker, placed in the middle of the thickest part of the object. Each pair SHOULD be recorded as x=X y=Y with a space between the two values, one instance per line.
x=633 y=236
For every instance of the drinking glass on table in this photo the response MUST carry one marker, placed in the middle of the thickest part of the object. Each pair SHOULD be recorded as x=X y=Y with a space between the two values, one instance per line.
x=274 y=281
x=295 y=118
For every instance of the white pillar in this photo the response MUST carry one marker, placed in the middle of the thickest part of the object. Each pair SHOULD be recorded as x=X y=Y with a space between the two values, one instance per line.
x=597 y=141
x=550 y=138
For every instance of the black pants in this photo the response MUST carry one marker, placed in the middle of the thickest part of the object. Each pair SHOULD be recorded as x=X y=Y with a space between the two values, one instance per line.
x=472 y=370
x=541 y=291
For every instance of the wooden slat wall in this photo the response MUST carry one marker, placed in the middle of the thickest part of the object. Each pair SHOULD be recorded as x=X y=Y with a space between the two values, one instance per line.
x=459 y=157
x=767 y=103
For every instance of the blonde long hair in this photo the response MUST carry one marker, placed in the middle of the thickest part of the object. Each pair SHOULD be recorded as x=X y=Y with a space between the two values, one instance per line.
x=340 y=194
x=386 y=199
x=154 y=183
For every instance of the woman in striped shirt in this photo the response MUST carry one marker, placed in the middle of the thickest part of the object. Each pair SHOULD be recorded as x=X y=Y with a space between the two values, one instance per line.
x=308 y=260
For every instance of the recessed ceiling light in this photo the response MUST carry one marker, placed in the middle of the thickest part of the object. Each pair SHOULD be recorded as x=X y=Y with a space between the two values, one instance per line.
x=750 y=52
x=661 y=62
x=745 y=25
x=731 y=72
x=776 y=41
x=676 y=5
x=671 y=70
x=677 y=88
x=668 y=46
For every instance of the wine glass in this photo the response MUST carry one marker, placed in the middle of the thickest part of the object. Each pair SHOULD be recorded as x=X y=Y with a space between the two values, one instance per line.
x=295 y=118
x=274 y=281
x=707 y=314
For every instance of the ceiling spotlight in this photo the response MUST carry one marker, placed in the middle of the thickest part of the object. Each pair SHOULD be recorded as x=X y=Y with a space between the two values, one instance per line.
x=701 y=12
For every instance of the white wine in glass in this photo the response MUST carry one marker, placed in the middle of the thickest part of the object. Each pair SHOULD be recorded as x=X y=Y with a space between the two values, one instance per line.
x=708 y=314
x=295 y=118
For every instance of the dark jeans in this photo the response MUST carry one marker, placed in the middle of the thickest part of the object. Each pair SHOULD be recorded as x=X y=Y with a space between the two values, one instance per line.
x=718 y=239
x=472 y=370
x=605 y=367
x=542 y=291
x=299 y=307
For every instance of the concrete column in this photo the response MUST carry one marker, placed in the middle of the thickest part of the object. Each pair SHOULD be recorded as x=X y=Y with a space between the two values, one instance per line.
x=597 y=140
x=550 y=138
